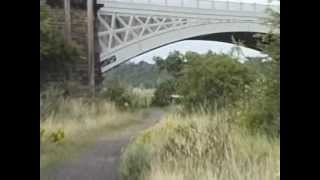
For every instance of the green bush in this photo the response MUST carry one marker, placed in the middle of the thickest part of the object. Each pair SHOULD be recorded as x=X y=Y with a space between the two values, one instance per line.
x=162 y=95
x=135 y=161
x=125 y=97
x=56 y=57
x=212 y=80
x=261 y=120
x=118 y=94
x=58 y=136
x=193 y=142
x=42 y=134
x=200 y=146
x=50 y=100
x=261 y=112
x=172 y=64
x=140 y=97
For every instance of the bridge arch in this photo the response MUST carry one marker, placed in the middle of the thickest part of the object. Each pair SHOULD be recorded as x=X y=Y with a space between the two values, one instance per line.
x=124 y=34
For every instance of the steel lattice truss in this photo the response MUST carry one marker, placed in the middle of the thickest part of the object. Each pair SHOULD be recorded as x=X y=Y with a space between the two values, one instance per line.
x=129 y=29
x=118 y=30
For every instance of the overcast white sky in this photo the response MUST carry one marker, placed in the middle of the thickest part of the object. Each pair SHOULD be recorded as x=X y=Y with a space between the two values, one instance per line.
x=197 y=45
x=249 y=1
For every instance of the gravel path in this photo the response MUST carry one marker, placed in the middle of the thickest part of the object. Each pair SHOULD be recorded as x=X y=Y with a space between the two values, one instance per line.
x=101 y=161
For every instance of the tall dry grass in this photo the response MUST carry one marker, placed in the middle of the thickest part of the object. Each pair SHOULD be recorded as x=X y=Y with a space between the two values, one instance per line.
x=80 y=121
x=200 y=146
x=141 y=97
x=78 y=116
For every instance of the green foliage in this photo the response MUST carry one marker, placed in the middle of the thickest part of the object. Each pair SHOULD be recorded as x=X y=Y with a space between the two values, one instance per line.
x=162 y=95
x=52 y=46
x=126 y=97
x=193 y=142
x=53 y=95
x=203 y=80
x=56 y=3
x=200 y=146
x=140 y=75
x=270 y=42
x=42 y=134
x=262 y=112
x=135 y=162
x=211 y=80
x=172 y=64
x=140 y=98
x=75 y=4
x=50 y=100
x=58 y=136
x=117 y=93
x=56 y=57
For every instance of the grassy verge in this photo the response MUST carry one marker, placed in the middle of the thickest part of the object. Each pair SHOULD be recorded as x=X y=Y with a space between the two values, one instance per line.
x=200 y=146
x=77 y=124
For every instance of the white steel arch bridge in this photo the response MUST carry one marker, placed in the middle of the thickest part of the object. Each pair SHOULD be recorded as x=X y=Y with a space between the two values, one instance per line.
x=127 y=28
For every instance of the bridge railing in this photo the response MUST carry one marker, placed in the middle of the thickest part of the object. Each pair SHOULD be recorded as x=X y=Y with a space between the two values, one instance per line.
x=202 y=4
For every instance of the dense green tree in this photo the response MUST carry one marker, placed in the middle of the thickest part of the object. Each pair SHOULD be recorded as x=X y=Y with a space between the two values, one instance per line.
x=263 y=112
x=56 y=57
x=172 y=64
x=210 y=80
x=142 y=74
x=162 y=95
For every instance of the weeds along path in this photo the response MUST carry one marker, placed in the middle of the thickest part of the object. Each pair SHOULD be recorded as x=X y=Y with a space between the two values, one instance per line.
x=101 y=161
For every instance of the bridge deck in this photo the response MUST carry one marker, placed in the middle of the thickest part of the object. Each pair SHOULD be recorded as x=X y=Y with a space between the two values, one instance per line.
x=195 y=4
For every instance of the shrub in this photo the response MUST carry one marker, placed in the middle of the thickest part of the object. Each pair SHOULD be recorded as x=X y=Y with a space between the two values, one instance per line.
x=172 y=64
x=58 y=136
x=140 y=97
x=193 y=141
x=162 y=95
x=56 y=57
x=125 y=97
x=200 y=146
x=50 y=99
x=211 y=80
x=261 y=111
x=135 y=162
x=118 y=94
x=42 y=134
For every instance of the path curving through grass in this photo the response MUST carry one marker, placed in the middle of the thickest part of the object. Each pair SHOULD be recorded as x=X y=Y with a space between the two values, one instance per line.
x=100 y=161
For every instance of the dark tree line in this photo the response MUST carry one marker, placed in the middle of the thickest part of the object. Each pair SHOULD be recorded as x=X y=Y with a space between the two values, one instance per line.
x=56 y=57
x=79 y=4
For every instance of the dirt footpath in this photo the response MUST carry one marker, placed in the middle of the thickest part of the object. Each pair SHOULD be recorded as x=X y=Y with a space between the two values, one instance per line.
x=101 y=161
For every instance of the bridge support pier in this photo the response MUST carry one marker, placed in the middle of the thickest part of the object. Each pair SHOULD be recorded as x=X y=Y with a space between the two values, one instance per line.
x=93 y=46
x=91 y=55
